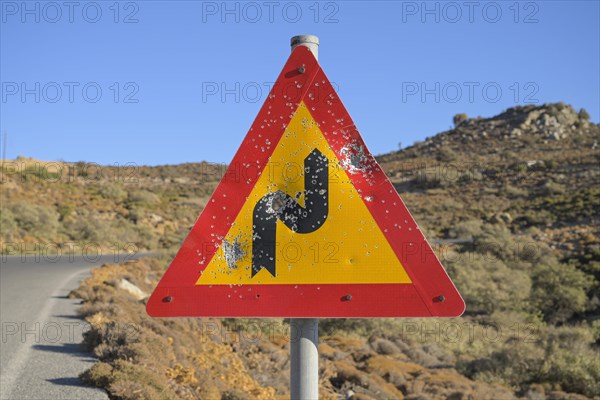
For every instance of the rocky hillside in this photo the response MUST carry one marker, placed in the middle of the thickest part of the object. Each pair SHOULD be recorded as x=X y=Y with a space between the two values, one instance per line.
x=513 y=202
x=529 y=167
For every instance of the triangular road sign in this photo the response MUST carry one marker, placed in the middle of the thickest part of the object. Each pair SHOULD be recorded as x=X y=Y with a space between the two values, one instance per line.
x=305 y=223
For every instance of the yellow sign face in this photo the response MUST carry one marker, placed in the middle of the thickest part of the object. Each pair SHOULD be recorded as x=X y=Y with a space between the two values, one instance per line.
x=343 y=245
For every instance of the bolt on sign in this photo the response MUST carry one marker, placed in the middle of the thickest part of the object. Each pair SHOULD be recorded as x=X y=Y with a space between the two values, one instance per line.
x=305 y=223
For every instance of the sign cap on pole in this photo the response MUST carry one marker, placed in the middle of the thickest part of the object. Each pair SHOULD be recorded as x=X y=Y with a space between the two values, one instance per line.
x=310 y=41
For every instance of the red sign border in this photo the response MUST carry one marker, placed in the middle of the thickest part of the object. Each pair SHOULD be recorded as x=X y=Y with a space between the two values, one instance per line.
x=431 y=293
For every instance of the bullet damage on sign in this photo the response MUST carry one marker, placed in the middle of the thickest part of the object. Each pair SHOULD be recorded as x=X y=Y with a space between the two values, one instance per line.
x=354 y=158
x=233 y=251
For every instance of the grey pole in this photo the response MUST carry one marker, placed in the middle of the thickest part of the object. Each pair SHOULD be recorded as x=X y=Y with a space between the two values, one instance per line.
x=304 y=366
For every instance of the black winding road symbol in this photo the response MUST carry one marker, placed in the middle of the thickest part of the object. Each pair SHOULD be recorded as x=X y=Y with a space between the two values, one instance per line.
x=280 y=206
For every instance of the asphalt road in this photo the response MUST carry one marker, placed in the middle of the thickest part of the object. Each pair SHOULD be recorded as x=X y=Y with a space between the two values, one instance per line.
x=40 y=352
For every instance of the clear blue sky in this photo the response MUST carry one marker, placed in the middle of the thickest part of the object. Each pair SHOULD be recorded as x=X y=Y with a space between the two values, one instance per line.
x=172 y=56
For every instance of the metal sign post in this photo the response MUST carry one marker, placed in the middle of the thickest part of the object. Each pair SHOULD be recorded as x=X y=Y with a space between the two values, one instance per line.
x=304 y=365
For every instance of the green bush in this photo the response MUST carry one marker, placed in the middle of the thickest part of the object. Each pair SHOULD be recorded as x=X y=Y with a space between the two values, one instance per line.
x=36 y=220
x=86 y=227
x=571 y=363
x=560 y=358
x=584 y=115
x=8 y=225
x=143 y=197
x=559 y=290
x=113 y=191
x=459 y=118
x=446 y=154
x=65 y=210
x=467 y=229
x=487 y=284
x=512 y=365
x=550 y=188
x=495 y=239
x=514 y=191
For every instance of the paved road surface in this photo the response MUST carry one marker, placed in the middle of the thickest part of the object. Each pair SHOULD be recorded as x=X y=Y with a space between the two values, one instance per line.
x=40 y=355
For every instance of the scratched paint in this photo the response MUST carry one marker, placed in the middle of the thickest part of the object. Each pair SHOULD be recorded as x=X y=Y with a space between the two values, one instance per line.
x=354 y=158
x=348 y=247
x=233 y=251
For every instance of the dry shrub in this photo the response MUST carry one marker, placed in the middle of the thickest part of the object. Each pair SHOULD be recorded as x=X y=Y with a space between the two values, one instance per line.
x=129 y=381
x=173 y=354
